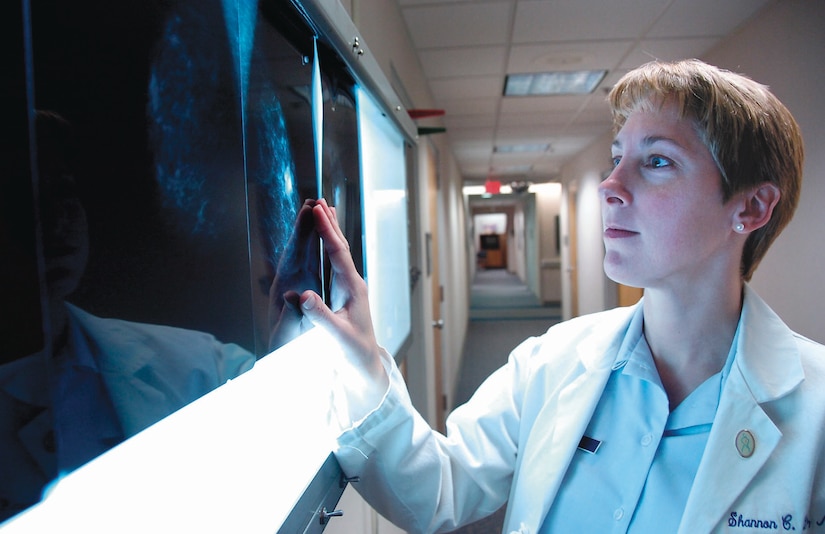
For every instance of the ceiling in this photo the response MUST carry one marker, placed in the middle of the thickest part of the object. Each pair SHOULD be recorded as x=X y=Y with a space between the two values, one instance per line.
x=467 y=47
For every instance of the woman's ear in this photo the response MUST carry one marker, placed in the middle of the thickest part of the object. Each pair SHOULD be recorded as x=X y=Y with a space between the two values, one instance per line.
x=756 y=207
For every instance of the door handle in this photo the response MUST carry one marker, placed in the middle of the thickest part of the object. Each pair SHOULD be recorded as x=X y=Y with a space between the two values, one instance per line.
x=439 y=324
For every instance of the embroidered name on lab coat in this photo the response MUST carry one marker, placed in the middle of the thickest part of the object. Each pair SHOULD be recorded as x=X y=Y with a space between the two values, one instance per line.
x=785 y=523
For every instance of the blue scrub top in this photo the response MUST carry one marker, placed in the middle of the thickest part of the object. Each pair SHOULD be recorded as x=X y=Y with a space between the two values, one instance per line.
x=646 y=457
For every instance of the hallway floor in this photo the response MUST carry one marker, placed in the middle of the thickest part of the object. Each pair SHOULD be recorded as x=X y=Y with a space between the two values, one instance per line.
x=499 y=294
x=503 y=313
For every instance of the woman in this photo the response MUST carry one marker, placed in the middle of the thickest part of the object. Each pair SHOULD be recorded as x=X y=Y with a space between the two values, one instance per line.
x=695 y=410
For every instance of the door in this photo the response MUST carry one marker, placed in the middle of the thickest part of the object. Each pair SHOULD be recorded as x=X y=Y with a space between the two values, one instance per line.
x=629 y=295
x=435 y=281
x=572 y=247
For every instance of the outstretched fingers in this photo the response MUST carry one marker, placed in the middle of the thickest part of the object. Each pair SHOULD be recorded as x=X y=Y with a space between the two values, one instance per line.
x=350 y=322
x=336 y=245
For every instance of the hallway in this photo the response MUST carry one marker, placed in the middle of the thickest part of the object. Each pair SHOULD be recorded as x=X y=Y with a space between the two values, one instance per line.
x=503 y=313
x=500 y=295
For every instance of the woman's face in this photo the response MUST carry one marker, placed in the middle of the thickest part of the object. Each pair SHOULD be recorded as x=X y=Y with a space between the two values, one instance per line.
x=664 y=219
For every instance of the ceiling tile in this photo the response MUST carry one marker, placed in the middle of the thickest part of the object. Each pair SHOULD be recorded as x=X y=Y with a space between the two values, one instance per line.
x=573 y=144
x=610 y=80
x=485 y=120
x=525 y=135
x=595 y=115
x=553 y=119
x=565 y=20
x=445 y=89
x=406 y=3
x=589 y=130
x=596 y=106
x=701 y=18
x=459 y=24
x=474 y=137
x=465 y=48
x=449 y=62
x=545 y=170
x=587 y=55
x=668 y=50
x=469 y=106
x=504 y=161
x=531 y=104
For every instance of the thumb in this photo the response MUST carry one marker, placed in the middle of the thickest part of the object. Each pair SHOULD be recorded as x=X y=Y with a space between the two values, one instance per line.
x=314 y=308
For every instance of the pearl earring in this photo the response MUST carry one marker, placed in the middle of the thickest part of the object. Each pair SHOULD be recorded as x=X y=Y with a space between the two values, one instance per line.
x=739 y=227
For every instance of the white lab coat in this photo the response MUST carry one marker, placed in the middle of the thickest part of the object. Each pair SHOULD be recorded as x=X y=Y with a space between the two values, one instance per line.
x=149 y=372
x=514 y=440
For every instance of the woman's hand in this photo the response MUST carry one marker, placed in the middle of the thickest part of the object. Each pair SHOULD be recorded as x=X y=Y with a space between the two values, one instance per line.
x=350 y=322
x=297 y=272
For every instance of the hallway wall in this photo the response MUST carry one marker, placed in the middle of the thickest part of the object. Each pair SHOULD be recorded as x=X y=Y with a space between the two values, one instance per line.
x=385 y=35
x=584 y=174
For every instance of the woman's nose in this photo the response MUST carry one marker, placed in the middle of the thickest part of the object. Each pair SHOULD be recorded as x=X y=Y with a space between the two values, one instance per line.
x=613 y=189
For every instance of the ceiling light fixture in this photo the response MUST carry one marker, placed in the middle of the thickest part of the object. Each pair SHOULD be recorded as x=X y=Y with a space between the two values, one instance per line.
x=576 y=82
x=512 y=169
x=509 y=149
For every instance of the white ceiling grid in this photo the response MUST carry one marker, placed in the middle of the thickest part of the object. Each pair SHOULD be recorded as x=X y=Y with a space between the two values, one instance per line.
x=466 y=49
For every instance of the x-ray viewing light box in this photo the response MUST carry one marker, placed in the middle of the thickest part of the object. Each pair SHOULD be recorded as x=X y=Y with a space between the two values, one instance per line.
x=383 y=171
x=330 y=18
x=384 y=126
x=241 y=457
x=235 y=460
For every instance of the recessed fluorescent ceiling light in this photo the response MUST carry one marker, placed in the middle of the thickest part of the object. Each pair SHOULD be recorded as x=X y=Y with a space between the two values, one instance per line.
x=512 y=169
x=506 y=149
x=578 y=82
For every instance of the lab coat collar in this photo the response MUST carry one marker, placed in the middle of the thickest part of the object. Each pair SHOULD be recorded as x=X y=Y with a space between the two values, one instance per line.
x=125 y=359
x=763 y=333
x=562 y=421
x=767 y=367
x=26 y=380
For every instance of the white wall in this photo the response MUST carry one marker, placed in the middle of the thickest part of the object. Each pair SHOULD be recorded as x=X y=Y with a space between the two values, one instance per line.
x=548 y=205
x=420 y=368
x=454 y=268
x=584 y=173
x=489 y=223
x=515 y=244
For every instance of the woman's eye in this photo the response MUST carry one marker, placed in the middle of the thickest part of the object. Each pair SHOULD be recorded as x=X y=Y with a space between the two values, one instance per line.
x=658 y=162
x=616 y=160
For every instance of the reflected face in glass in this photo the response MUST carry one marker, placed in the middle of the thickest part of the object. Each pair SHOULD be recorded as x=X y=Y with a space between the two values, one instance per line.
x=65 y=236
x=64 y=225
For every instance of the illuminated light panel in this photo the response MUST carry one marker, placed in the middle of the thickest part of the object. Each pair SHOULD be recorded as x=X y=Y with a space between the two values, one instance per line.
x=579 y=82
x=510 y=149
x=228 y=462
x=384 y=190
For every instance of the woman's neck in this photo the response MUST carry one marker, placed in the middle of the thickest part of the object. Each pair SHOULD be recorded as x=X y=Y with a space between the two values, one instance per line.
x=690 y=334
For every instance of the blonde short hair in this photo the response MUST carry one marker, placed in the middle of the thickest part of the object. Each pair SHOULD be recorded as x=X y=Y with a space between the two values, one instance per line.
x=752 y=136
